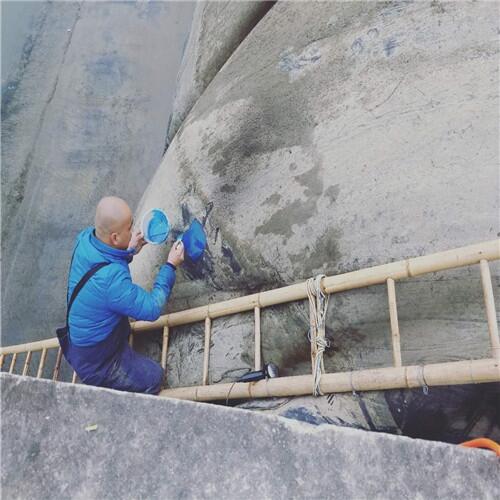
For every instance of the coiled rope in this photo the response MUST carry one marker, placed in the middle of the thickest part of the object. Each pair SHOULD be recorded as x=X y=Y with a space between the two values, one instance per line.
x=318 y=301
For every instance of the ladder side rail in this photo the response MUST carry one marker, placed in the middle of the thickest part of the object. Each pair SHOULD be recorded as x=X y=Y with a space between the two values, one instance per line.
x=416 y=266
x=31 y=346
x=405 y=377
x=377 y=275
x=491 y=314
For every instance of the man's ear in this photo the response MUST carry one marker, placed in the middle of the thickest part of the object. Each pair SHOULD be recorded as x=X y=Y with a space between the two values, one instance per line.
x=114 y=238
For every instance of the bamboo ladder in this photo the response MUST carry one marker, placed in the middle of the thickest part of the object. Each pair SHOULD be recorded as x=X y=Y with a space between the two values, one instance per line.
x=397 y=376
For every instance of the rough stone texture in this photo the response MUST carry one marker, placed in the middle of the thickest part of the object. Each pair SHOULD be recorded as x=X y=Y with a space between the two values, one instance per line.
x=452 y=414
x=217 y=30
x=84 y=114
x=147 y=447
x=337 y=137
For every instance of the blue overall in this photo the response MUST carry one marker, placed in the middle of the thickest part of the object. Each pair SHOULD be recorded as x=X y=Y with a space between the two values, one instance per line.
x=96 y=344
x=112 y=363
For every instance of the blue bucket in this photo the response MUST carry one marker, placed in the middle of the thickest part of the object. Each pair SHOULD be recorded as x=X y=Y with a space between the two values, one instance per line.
x=155 y=226
x=194 y=241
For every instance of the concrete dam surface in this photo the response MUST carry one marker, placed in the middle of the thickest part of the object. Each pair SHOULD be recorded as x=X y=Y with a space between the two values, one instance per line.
x=340 y=136
x=72 y=441
x=307 y=138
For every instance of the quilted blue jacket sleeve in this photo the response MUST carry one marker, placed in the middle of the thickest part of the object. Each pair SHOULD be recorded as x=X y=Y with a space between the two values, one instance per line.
x=127 y=298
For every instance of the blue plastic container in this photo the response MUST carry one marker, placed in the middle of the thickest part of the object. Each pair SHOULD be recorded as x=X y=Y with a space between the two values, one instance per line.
x=155 y=226
x=194 y=240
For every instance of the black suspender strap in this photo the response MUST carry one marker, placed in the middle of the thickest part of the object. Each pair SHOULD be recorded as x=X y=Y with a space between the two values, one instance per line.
x=81 y=284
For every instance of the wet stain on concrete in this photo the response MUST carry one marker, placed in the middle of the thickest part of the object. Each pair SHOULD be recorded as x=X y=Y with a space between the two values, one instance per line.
x=437 y=7
x=286 y=127
x=332 y=193
x=216 y=235
x=312 y=181
x=200 y=270
x=274 y=199
x=208 y=210
x=452 y=414
x=228 y=188
x=281 y=222
x=231 y=259
x=321 y=256
x=303 y=414
x=107 y=74
x=33 y=451
x=186 y=214
x=366 y=413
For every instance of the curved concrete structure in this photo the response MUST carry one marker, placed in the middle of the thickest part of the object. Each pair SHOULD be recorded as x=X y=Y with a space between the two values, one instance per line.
x=216 y=31
x=339 y=136
x=84 y=114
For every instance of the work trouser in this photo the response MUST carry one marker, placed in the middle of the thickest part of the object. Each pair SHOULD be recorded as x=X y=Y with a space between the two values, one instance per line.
x=113 y=363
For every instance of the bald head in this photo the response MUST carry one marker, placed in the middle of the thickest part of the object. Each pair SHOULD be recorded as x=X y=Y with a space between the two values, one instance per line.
x=113 y=222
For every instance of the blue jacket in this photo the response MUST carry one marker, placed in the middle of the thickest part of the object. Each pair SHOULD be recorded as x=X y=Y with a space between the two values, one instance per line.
x=110 y=294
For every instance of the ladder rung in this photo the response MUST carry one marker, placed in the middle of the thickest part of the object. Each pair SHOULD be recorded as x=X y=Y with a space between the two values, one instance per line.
x=164 y=348
x=313 y=333
x=27 y=363
x=13 y=362
x=55 y=374
x=491 y=314
x=42 y=362
x=258 y=360
x=393 y=313
x=206 y=351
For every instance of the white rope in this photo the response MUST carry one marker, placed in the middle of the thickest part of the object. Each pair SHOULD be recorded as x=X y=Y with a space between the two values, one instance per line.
x=319 y=306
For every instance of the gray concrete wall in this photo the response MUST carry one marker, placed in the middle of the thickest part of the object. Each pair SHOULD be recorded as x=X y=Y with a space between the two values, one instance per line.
x=18 y=25
x=85 y=114
x=147 y=447
x=339 y=136
x=217 y=30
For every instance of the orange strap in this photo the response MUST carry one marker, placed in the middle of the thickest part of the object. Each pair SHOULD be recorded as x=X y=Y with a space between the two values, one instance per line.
x=483 y=443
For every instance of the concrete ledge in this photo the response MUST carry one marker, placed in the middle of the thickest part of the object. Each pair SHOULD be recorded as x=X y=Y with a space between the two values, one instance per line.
x=148 y=447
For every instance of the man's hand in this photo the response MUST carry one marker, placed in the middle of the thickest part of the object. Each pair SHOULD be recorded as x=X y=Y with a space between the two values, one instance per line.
x=137 y=241
x=176 y=254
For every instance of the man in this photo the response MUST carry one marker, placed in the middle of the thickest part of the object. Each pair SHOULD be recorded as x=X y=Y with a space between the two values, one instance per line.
x=96 y=344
